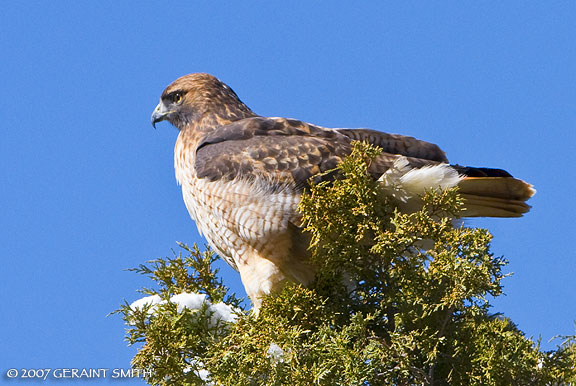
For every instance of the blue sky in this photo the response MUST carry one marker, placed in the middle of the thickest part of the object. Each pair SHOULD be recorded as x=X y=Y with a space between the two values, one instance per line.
x=87 y=187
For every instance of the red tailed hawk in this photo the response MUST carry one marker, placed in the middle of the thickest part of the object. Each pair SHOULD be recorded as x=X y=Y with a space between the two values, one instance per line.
x=242 y=176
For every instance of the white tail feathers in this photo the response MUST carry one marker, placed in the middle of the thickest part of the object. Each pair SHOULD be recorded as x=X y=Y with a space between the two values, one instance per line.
x=439 y=176
x=407 y=185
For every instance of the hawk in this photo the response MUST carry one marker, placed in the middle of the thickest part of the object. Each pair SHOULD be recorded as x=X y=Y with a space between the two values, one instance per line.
x=242 y=176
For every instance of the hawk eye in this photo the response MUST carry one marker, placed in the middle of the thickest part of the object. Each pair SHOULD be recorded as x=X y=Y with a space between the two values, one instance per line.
x=177 y=98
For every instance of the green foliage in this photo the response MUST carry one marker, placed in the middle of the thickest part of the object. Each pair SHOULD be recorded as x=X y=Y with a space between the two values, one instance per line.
x=400 y=299
x=176 y=341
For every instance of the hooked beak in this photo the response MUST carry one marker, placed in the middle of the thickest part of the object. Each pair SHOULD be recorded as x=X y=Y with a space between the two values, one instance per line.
x=159 y=114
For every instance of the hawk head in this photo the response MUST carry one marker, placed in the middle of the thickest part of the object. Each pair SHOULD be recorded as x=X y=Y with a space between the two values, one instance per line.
x=199 y=98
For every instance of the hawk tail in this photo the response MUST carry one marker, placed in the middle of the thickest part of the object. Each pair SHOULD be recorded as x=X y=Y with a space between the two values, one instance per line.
x=486 y=192
x=499 y=196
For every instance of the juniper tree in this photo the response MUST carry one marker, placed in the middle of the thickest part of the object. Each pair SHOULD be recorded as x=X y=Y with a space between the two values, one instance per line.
x=399 y=299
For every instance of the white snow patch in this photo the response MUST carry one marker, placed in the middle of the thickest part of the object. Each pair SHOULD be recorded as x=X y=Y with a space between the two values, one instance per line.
x=140 y=303
x=205 y=376
x=190 y=300
x=198 y=368
x=219 y=312
x=222 y=312
x=275 y=353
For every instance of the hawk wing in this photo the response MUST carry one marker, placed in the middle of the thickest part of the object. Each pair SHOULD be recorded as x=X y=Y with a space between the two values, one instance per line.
x=286 y=152
x=398 y=144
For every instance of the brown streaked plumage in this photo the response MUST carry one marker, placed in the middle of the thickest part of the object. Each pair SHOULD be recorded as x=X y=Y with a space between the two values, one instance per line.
x=242 y=176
